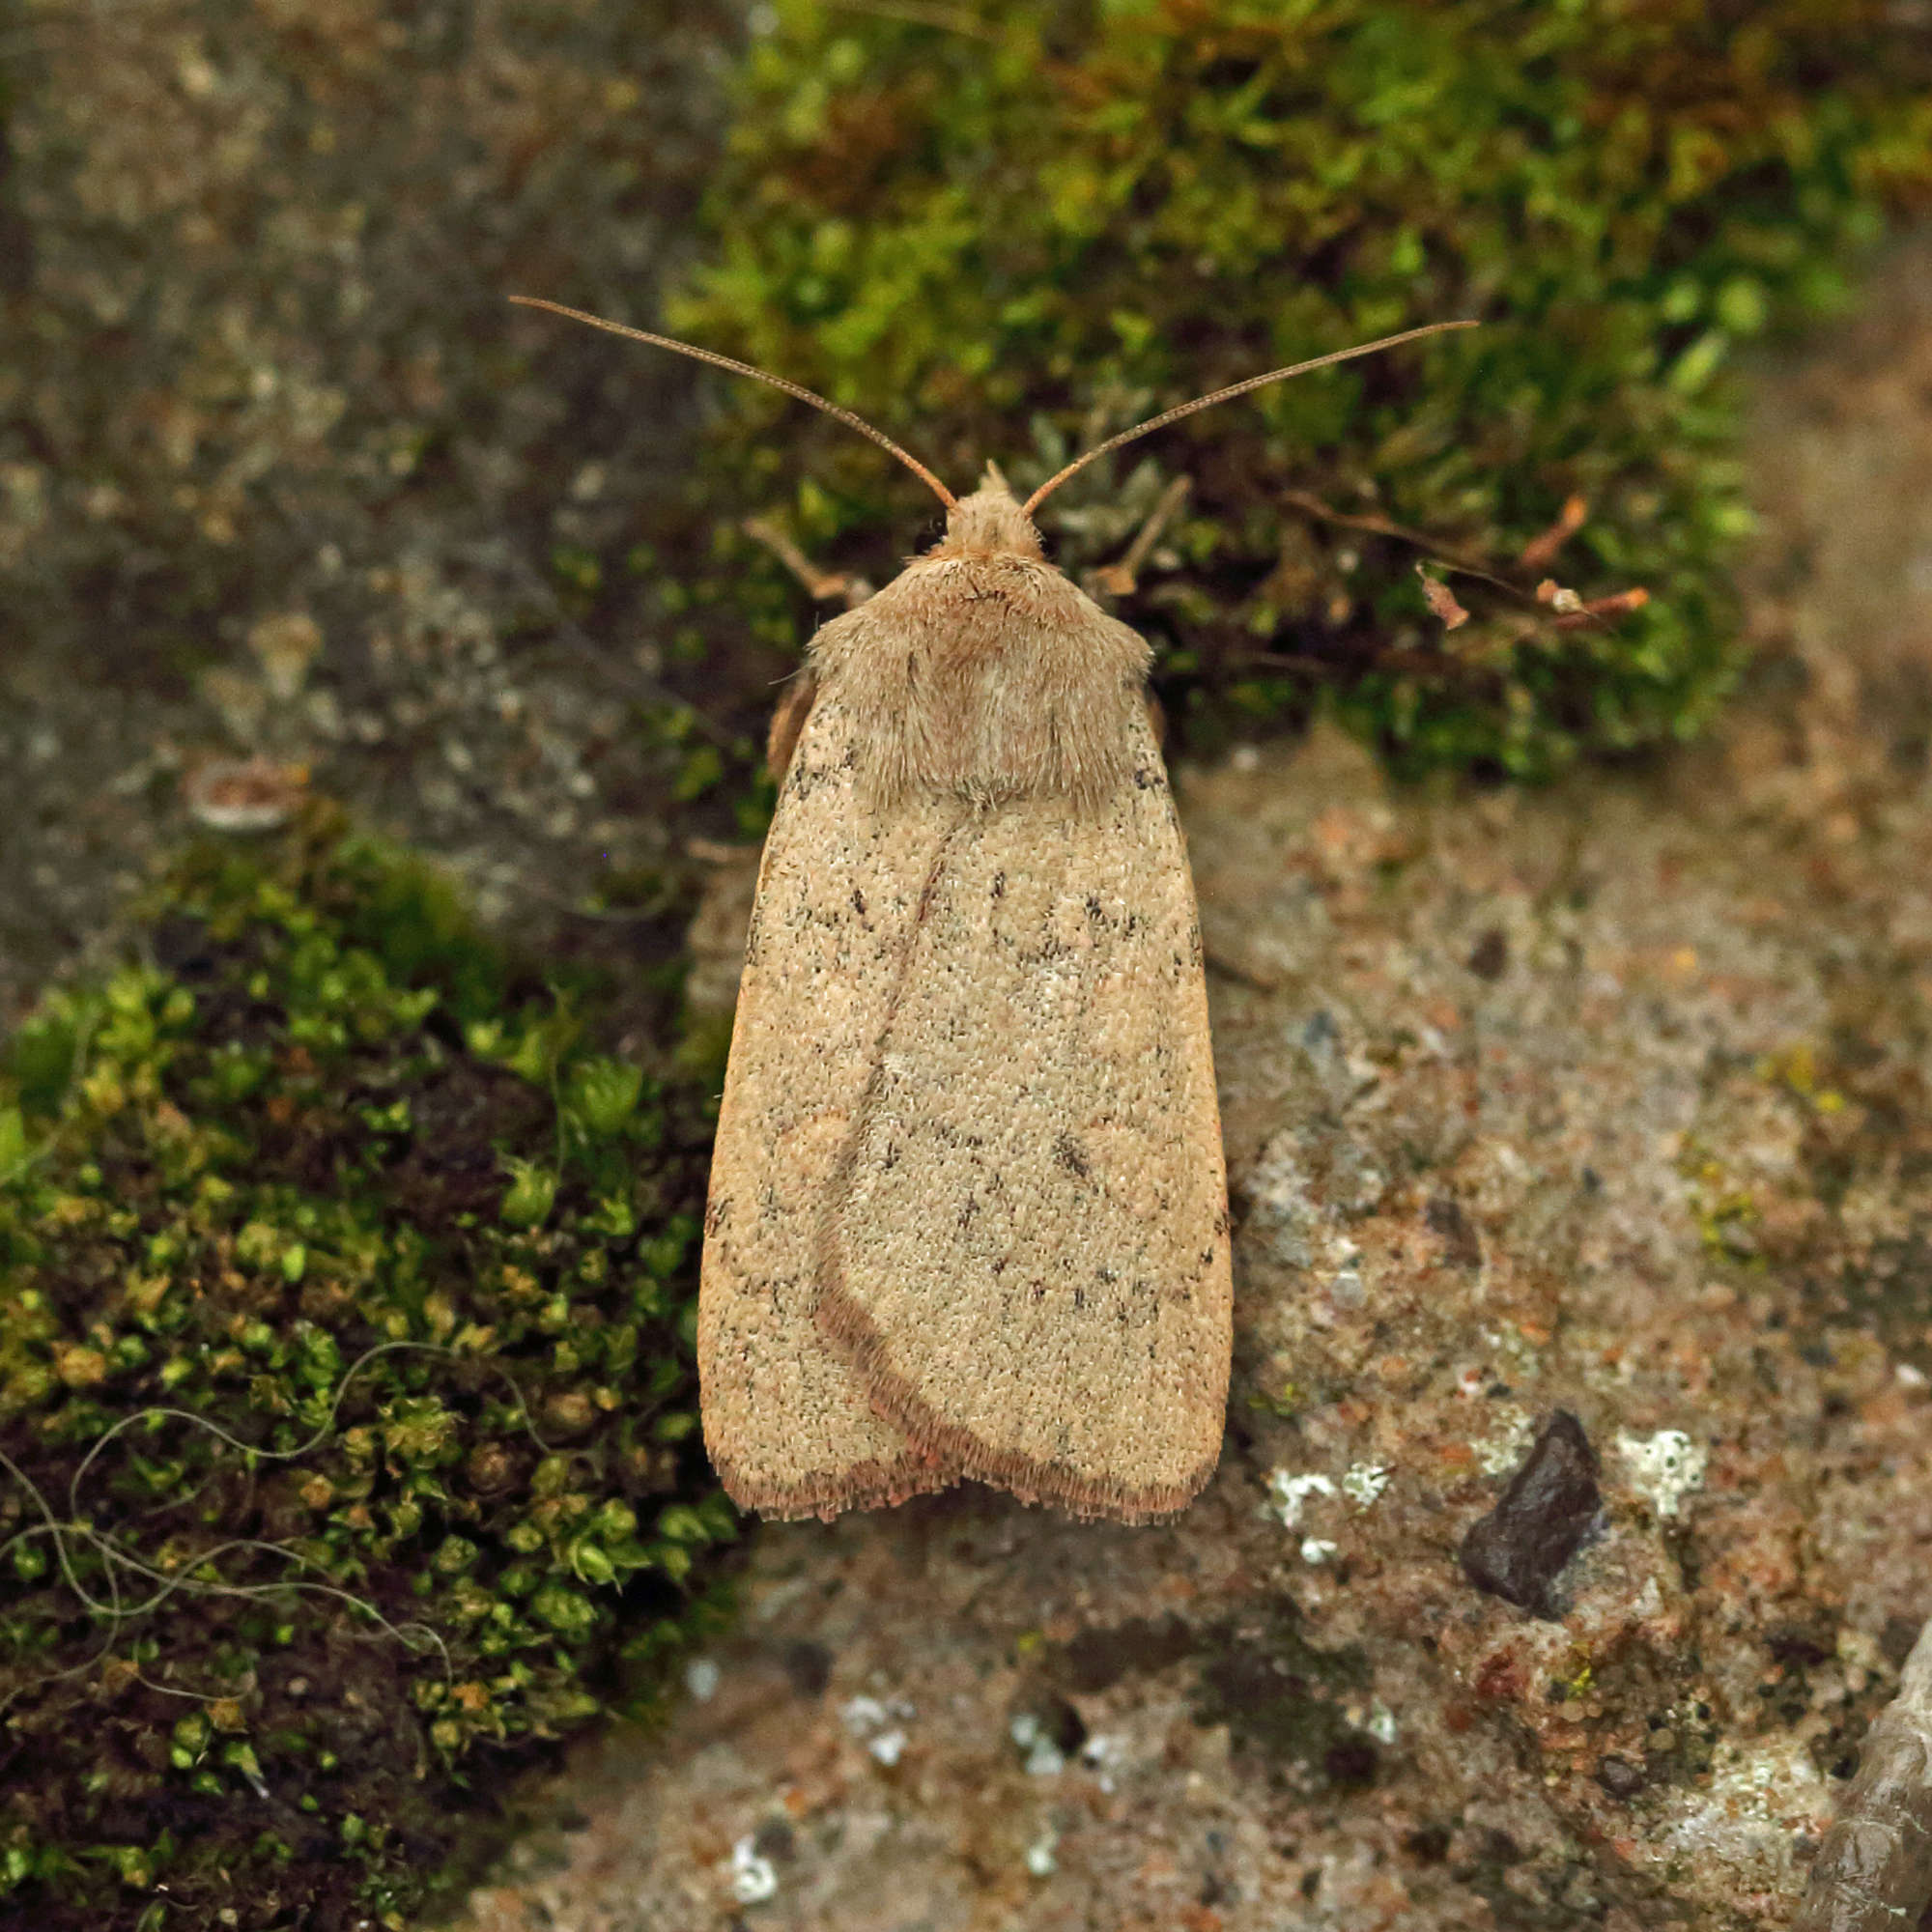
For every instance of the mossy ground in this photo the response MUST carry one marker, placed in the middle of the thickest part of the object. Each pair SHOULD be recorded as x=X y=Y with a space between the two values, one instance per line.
x=1008 y=231
x=345 y=1393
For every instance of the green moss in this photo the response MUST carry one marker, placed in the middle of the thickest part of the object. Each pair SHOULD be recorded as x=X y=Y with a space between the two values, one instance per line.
x=1006 y=240
x=345 y=1392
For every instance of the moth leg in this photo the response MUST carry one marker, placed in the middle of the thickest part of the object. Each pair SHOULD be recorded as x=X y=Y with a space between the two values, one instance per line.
x=788 y=720
x=1117 y=579
x=818 y=583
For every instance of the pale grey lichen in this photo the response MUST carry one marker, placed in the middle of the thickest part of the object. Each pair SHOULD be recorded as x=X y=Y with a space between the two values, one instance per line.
x=1288 y=1493
x=1363 y=1483
x=1665 y=1467
x=753 y=1878
x=1043 y=1757
x=879 y=1725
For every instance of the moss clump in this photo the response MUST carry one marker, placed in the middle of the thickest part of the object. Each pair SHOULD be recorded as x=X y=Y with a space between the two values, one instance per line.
x=345 y=1392
x=1009 y=234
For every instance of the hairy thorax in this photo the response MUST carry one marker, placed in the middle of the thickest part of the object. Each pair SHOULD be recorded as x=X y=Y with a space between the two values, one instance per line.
x=982 y=672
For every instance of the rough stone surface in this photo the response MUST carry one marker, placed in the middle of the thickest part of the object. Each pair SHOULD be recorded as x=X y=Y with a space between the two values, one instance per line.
x=1609 y=1100
x=281 y=472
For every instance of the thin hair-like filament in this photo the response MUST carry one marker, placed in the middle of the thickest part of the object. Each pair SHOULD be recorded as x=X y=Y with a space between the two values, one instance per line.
x=1228 y=394
x=738 y=368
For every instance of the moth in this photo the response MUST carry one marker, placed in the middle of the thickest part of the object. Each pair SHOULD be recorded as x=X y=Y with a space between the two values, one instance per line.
x=967 y=1211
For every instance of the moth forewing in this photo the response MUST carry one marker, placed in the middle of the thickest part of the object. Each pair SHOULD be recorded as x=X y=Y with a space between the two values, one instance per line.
x=1029 y=1265
x=790 y=1429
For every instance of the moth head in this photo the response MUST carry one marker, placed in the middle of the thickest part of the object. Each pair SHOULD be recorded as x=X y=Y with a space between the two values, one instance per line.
x=989 y=523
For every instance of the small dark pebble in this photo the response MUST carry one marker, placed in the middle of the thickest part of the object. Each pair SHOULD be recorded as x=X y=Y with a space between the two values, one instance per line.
x=1620 y=1777
x=1351 y=1762
x=1490 y=956
x=1544 y=1516
x=809 y=1666
x=1061 y=1723
x=1798 y=1648
x=1428 y=1844
x=1462 y=1245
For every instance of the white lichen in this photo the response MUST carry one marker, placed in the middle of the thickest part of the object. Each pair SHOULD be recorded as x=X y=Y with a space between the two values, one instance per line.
x=862 y=1714
x=1040 y=1859
x=880 y=1727
x=754 y=1879
x=1665 y=1467
x=1316 y=1549
x=1364 y=1483
x=701 y=1679
x=1043 y=1757
x=1508 y=1442
x=1288 y=1493
x=1107 y=1754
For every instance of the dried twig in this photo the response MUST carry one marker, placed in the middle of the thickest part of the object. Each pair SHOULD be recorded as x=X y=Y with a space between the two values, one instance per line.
x=821 y=586
x=1441 y=600
x=1569 y=611
x=1383 y=526
x=1540 y=551
x=1119 y=579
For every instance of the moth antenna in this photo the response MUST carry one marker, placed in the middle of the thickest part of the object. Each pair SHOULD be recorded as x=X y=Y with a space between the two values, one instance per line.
x=1228 y=394
x=737 y=368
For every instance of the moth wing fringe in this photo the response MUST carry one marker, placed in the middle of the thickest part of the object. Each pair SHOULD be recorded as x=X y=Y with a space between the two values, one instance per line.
x=830 y=1493
x=1041 y=1484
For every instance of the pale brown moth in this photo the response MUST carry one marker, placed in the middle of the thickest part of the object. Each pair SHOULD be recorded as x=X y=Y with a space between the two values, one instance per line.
x=968 y=1212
